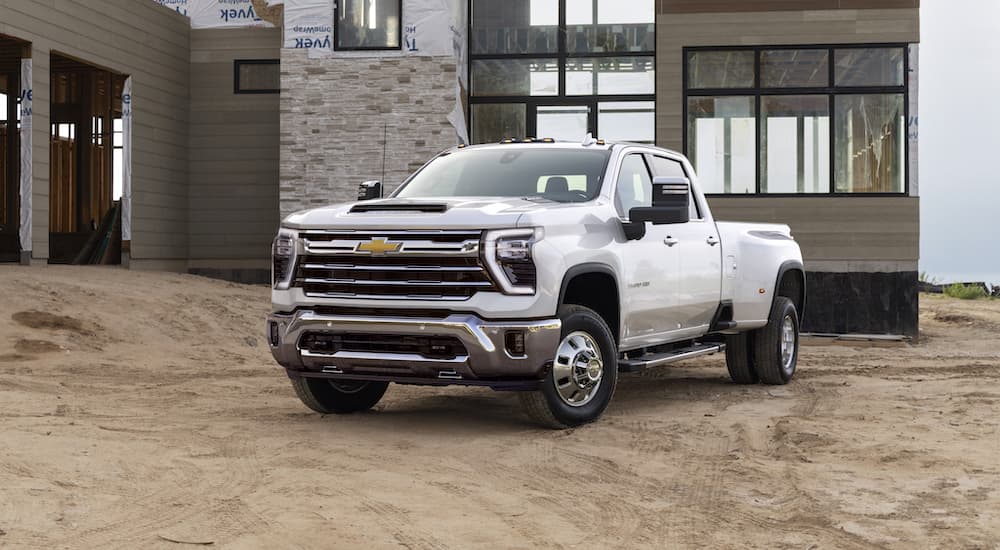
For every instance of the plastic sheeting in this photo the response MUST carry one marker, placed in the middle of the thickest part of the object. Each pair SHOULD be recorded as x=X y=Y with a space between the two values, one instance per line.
x=26 y=176
x=430 y=26
x=217 y=14
x=309 y=24
x=127 y=160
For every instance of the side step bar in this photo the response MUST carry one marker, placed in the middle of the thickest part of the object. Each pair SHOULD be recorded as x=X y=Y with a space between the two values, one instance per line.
x=648 y=360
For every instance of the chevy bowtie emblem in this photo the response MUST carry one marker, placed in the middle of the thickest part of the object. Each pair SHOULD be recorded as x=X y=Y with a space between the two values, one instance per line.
x=379 y=246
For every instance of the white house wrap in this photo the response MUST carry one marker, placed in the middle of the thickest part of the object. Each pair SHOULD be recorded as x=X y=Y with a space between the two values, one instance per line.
x=217 y=14
x=127 y=160
x=25 y=187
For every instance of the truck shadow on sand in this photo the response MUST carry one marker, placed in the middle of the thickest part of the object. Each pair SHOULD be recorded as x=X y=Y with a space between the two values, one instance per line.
x=461 y=411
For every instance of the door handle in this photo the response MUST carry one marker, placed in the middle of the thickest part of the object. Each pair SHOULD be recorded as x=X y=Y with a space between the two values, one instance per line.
x=712 y=241
x=670 y=241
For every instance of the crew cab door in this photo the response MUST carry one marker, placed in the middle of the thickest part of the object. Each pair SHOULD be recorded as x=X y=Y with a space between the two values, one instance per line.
x=700 y=256
x=650 y=264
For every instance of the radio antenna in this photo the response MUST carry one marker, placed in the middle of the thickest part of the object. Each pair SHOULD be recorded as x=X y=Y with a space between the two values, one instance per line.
x=385 y=138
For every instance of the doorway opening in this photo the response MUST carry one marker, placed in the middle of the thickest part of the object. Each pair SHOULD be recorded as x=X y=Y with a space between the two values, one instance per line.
x=11 y=53
x=85 y=163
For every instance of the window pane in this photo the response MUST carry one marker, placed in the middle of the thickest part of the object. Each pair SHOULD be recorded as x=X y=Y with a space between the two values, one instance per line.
x=728 y=69
x=634 y=185
x=563 y=122
x=869 y=143
x=722 y=143
x=610 y=76
x=621 y=26
x=869 y=67
x=794 y=68
x=370 y=24
x=492 y=123
x=259 y=76
x=117 y=179
x=509 y=77
x=795 y=144
x=633 y=121
x=515 y=26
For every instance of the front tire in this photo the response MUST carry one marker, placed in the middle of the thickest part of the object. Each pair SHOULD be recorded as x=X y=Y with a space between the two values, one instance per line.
x=776 y=345
x=338 y=396
x=579 y=386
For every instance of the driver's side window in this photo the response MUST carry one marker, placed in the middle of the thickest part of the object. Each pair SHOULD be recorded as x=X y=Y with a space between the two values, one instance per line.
x=635 y=185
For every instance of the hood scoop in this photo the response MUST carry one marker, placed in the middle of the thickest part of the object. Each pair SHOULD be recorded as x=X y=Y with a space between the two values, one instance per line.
x=394 y=206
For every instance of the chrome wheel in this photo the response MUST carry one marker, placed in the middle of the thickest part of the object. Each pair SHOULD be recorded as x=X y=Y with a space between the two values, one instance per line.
x=788 y=338
x=348 y=386
x=578 y=369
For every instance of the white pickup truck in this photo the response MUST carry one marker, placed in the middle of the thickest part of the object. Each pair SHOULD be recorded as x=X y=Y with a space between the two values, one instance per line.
x=536 y=266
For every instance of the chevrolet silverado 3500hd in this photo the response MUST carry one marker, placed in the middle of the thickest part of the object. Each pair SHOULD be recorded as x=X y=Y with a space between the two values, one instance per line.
x=537 y=266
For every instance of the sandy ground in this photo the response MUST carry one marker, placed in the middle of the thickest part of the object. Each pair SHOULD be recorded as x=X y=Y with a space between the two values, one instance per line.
x=138 y=406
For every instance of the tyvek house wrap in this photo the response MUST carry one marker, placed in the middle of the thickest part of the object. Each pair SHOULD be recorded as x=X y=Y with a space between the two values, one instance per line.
x=217 y=14
x=25 y=187
x=127 y=160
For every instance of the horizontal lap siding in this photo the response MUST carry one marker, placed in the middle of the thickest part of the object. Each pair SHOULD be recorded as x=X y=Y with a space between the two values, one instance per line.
x=234 y=151
x=137 y=38
x=882 y=229
x=842 y=229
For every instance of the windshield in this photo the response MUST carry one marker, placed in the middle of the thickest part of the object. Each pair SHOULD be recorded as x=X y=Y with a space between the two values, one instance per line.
x=562 y=175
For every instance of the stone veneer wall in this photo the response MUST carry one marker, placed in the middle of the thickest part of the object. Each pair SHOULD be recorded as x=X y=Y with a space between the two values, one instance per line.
x=333 y=114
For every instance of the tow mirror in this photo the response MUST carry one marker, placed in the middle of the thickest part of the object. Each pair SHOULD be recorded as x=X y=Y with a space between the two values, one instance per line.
x=671 y=202
x=370 y=190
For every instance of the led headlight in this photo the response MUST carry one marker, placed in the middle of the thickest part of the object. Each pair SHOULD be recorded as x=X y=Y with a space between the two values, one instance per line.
x=282 y=259
x=508 y=253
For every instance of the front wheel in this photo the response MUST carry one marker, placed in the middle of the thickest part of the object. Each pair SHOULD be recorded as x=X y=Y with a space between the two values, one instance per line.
x=776 y=345
x=338 y=396
x=584 y=372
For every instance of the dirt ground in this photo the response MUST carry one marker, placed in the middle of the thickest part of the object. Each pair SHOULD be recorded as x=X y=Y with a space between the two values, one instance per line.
x=141 y=407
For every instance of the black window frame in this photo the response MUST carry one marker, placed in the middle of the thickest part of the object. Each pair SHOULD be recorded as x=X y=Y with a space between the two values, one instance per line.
x=336 y=33
x=532 y=103
x=831 y=90
x=238 y=63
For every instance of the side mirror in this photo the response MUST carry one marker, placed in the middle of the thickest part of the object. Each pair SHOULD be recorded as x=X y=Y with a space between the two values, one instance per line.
x=370 y=190
x=671 y=202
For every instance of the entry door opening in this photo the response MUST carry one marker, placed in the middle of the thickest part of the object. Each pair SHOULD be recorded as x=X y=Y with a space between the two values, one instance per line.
x=11 y=53
x=84 y=202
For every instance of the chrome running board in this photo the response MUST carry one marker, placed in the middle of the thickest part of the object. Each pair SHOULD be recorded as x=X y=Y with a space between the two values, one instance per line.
x=648 y=360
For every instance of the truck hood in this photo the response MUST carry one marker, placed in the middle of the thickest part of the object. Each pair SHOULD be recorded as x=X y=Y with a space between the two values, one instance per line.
x=446 y=212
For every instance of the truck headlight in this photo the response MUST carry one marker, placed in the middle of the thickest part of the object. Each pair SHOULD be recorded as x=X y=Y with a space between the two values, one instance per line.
x=283 y=252
x=508 y=253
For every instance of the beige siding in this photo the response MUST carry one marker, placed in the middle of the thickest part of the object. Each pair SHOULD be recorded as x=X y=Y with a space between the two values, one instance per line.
x=836 y=229
x=841 y=229
x=234 y=153
x=137 y=38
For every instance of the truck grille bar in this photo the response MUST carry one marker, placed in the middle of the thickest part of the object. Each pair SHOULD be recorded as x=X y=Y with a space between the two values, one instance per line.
x=392 y=265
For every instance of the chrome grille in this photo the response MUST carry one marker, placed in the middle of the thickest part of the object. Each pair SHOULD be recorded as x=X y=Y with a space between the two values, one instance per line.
x=418 y=264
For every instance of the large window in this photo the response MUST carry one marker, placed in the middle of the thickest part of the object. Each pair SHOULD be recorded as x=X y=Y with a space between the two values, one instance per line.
x=368 y=24
x=561 y=69
x=797 y=120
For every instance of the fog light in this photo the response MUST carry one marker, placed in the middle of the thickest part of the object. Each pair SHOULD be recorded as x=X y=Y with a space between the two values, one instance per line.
x=273 y=336
x=514 y=341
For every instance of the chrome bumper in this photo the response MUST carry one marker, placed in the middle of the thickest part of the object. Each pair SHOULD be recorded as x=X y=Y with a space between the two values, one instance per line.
x=486 y=358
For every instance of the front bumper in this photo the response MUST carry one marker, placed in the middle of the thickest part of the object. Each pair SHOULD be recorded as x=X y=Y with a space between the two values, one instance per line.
x=486 y=360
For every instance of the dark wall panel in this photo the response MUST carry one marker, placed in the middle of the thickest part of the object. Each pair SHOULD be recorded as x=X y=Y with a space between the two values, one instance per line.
x=862 y=303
